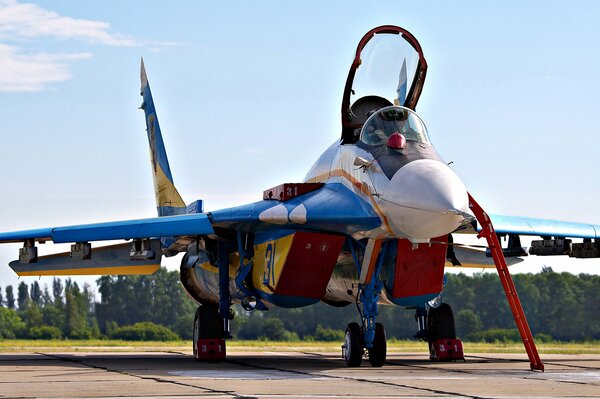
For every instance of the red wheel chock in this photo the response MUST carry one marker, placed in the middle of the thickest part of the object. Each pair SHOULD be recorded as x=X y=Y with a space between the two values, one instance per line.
x=211 y=349
x=446 y=350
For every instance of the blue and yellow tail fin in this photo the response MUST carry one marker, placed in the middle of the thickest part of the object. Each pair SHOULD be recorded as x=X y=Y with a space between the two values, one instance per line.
x=168 y=200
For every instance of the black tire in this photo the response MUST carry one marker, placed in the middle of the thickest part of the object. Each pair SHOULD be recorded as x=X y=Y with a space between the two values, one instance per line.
x=211 y=322
x=207 y=324
x=353 y=344
x=440 y=323
x=196 y=335
x=378 y=352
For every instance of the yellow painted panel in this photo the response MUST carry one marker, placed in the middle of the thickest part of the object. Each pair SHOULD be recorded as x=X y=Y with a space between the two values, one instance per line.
x=208 y=267
x=166 y=193
x=93 y=271
x=269 y=259
x=234 y=264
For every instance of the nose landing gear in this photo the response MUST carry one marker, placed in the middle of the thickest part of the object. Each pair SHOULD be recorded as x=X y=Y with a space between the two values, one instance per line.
x=353 y=349
x=370 y=337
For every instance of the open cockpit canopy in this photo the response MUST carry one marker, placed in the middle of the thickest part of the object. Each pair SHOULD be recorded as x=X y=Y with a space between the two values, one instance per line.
x=388 y=69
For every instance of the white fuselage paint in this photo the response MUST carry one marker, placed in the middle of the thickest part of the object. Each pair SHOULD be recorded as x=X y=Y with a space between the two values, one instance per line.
x=422 y=200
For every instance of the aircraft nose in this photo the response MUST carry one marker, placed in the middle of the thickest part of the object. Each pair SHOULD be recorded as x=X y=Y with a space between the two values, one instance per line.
x=425 y=199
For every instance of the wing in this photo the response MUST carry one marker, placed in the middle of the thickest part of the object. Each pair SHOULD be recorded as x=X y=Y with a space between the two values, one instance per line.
x=526 y=226
x=142 y=256
x=122 y=230
x=543 y=227
x=556 y=239
x=331 y=208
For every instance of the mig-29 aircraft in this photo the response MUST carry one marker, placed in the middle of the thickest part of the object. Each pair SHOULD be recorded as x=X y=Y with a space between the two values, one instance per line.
x=374 y=223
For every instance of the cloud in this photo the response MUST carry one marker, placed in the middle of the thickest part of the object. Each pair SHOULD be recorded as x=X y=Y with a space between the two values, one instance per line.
x=24 y=20
x=26 y=73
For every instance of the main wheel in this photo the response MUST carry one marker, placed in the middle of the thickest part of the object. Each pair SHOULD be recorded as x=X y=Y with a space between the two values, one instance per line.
x=378 y=352
x=440 y=323
x=353 y=345
x=207 y=325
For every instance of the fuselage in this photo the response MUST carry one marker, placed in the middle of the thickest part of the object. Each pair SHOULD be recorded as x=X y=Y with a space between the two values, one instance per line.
x=414 y=193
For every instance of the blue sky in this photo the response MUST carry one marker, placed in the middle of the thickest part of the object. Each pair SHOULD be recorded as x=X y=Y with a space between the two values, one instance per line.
x=248 y=95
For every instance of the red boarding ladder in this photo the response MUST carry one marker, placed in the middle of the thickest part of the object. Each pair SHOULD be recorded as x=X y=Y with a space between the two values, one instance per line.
x=487 y=231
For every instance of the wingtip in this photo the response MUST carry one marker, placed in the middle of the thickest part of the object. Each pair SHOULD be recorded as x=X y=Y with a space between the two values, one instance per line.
x=143 y=76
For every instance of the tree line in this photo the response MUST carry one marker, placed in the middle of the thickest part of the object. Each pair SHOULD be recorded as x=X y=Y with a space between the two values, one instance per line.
x=559 y=306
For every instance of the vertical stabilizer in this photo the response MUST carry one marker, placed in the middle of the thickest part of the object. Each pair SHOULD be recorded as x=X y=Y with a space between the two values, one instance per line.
x=168 y=200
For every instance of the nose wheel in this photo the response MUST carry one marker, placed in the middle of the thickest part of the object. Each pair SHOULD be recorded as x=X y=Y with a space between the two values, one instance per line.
x=353 y=349
x=378 y=351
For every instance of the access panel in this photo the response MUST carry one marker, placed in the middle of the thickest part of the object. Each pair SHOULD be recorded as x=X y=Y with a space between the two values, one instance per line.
x=297 y=265
x=419 y=269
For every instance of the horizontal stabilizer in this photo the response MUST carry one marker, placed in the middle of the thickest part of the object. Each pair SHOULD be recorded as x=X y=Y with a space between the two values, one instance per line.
x=169 y=226
x=113 y=259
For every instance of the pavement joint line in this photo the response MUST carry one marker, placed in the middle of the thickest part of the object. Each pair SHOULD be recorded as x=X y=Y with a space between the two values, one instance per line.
x=156 y=379
x=348 y=378
x=546 y=363
x=574 y=366
x=476 y=374
x=509 y=360
x=563 y=381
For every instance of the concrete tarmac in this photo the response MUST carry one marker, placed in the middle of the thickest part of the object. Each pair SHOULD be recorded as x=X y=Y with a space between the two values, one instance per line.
x=291 y=375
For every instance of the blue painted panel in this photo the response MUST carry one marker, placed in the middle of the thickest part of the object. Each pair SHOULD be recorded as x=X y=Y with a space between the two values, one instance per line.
x=154 y=227
x=414 y=300
x=270 y=235
x=193 y=224
x=154 y=134
x=20 y=236
x=285 y=301
x=543 y=227
x=333 y=208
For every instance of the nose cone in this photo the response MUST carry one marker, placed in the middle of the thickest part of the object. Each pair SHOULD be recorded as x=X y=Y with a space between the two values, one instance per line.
x=425 y=199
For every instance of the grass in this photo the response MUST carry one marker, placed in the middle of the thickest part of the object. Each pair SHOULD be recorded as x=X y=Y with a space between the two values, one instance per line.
x=394 y=346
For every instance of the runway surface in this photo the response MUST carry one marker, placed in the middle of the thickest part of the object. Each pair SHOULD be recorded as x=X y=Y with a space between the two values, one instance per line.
x=291 y=375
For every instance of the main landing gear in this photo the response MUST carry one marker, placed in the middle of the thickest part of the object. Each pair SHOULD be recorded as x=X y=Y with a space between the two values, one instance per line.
x=211 y=322
x=443 y=344
x=209 y=335
x=436 y=326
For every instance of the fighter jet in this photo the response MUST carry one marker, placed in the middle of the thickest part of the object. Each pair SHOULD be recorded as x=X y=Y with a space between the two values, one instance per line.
x=375 y=222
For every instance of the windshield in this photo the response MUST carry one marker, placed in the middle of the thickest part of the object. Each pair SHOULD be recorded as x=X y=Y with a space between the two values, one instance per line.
x=389 y=120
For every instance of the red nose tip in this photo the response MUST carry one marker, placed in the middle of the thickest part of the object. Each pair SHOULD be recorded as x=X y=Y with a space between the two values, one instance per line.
x=396 y=141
